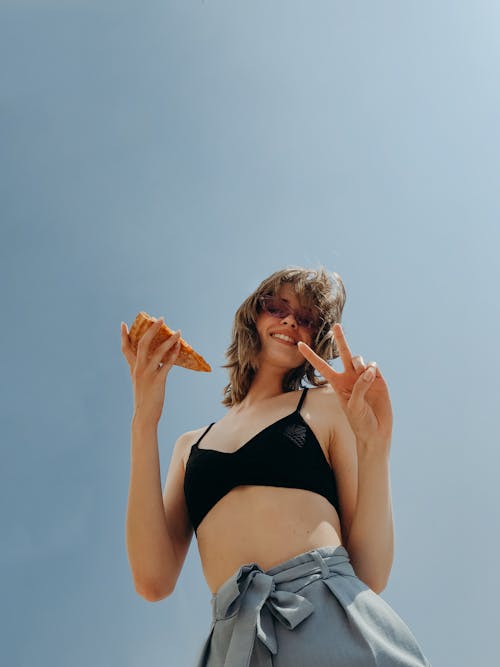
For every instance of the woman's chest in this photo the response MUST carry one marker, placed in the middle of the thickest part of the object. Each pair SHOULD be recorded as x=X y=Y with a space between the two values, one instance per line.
x=241 y=435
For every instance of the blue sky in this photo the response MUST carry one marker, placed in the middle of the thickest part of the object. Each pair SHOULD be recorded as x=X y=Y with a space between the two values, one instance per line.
x=168 y=156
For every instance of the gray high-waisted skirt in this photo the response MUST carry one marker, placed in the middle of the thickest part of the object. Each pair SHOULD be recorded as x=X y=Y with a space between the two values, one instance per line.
x=310 y=611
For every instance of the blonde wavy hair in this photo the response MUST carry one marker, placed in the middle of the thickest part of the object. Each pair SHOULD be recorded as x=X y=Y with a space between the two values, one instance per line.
x=323 y=292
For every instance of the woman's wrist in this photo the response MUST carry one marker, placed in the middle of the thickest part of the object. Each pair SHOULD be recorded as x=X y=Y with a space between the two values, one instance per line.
x=372 y=448
x=143 y=422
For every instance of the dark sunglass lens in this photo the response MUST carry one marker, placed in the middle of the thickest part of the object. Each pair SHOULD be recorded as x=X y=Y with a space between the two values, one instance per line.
x=306 y=322
x=305 y=319
x=276 y=307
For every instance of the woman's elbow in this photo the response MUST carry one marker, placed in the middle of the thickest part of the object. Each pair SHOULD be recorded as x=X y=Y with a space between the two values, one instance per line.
x=379 y=586
x=155 y=594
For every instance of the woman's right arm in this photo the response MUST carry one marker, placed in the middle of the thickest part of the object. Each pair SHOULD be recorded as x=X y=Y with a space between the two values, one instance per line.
x=158 y=530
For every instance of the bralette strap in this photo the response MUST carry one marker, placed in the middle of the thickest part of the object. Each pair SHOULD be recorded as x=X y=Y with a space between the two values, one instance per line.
x=302 y=398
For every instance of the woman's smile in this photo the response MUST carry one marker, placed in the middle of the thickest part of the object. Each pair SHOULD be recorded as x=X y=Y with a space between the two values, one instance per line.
x=286 y=340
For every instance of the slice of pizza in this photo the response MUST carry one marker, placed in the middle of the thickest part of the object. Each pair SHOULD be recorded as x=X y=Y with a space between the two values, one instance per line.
x=187 y=357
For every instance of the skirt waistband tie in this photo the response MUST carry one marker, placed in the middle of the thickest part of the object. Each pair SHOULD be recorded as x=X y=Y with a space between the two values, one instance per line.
x=257 y=596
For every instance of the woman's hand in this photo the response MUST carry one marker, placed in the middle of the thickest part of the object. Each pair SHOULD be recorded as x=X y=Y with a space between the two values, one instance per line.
x=148 y=376
x=365 y=402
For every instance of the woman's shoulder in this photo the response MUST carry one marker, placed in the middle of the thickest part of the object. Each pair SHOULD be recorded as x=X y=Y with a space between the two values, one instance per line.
x=190 y=437
x=325 y=410
x=323 y=396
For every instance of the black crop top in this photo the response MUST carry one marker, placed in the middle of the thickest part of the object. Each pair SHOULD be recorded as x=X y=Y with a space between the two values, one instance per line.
x=285 y=453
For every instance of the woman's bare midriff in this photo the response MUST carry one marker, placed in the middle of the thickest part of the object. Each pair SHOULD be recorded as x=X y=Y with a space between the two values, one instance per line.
x=264 y=525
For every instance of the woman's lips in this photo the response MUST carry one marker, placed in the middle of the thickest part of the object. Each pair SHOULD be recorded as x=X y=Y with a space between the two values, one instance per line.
x=284 y=342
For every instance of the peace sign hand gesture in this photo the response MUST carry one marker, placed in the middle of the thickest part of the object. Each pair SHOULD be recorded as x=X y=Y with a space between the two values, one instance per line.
x=364 y=399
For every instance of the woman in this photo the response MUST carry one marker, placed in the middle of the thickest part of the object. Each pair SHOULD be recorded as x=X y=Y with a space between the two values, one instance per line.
x=288 y=493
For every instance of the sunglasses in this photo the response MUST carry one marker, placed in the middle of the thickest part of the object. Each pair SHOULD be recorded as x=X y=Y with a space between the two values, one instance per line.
x=279 y=308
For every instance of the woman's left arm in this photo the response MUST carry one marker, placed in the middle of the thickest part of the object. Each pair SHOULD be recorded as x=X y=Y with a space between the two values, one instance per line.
x=366 y=404
x=370 y=542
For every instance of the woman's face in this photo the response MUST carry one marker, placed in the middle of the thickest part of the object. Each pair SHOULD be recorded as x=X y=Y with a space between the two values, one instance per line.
x=268 y=326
